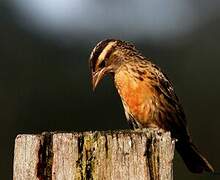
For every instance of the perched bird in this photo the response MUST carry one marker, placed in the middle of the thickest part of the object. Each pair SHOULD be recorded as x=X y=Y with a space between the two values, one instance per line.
x=147 y=95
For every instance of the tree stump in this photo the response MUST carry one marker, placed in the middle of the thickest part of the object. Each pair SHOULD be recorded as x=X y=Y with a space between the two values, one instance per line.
x=117 y=155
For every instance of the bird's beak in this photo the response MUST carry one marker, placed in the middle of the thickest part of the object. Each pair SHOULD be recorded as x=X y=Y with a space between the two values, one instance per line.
x=97 y=76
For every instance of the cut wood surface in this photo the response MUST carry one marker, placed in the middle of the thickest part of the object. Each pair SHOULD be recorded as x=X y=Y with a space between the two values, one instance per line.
x=117 y=155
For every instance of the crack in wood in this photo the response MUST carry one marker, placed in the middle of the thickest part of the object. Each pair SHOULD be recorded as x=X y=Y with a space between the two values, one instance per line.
x=45 y=155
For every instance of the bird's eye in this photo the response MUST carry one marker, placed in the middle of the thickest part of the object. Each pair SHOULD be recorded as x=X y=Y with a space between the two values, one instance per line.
x=102 y=64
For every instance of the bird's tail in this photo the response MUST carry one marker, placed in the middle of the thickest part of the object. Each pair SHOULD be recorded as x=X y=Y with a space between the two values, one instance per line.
x=193 y=159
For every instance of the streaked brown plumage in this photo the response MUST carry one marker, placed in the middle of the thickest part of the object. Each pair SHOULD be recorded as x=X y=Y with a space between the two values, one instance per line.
x=147 y=95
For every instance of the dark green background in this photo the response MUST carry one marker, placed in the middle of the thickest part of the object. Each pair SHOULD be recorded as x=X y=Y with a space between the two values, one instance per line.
x=45 y=86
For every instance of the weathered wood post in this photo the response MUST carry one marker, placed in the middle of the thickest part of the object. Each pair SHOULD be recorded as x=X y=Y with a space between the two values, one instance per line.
x=116 y=155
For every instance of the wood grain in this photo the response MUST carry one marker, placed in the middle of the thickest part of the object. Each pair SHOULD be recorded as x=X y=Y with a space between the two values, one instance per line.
x=129 y=155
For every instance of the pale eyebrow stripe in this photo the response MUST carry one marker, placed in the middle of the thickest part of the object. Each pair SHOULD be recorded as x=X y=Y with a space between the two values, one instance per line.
x=105 y=51
x=93 y=51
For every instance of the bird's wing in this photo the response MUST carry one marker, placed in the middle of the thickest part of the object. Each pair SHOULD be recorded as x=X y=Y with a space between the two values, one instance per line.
x=171 y=108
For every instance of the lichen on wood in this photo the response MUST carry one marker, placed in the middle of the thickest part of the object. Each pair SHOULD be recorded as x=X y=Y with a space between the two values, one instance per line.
x=123 y=154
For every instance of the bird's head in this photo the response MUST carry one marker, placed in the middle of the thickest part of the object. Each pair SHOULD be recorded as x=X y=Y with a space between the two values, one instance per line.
x=106 y=57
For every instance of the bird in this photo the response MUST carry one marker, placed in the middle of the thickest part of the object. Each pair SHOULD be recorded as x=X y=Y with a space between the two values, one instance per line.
x=147 y=95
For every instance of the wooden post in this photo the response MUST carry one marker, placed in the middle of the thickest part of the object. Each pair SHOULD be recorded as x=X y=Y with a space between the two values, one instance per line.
x=128 y=155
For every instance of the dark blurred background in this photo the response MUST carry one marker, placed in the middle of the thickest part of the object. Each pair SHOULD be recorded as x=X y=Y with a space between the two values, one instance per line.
x=44 y=77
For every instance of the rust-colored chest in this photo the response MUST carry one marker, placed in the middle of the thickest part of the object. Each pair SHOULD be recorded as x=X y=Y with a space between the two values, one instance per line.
x=136 y=94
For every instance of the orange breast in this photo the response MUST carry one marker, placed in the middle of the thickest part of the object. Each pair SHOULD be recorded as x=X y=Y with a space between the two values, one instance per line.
x=136 y=94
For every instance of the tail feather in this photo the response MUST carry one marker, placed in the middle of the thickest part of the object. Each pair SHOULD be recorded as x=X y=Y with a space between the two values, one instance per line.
x=193 y=159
